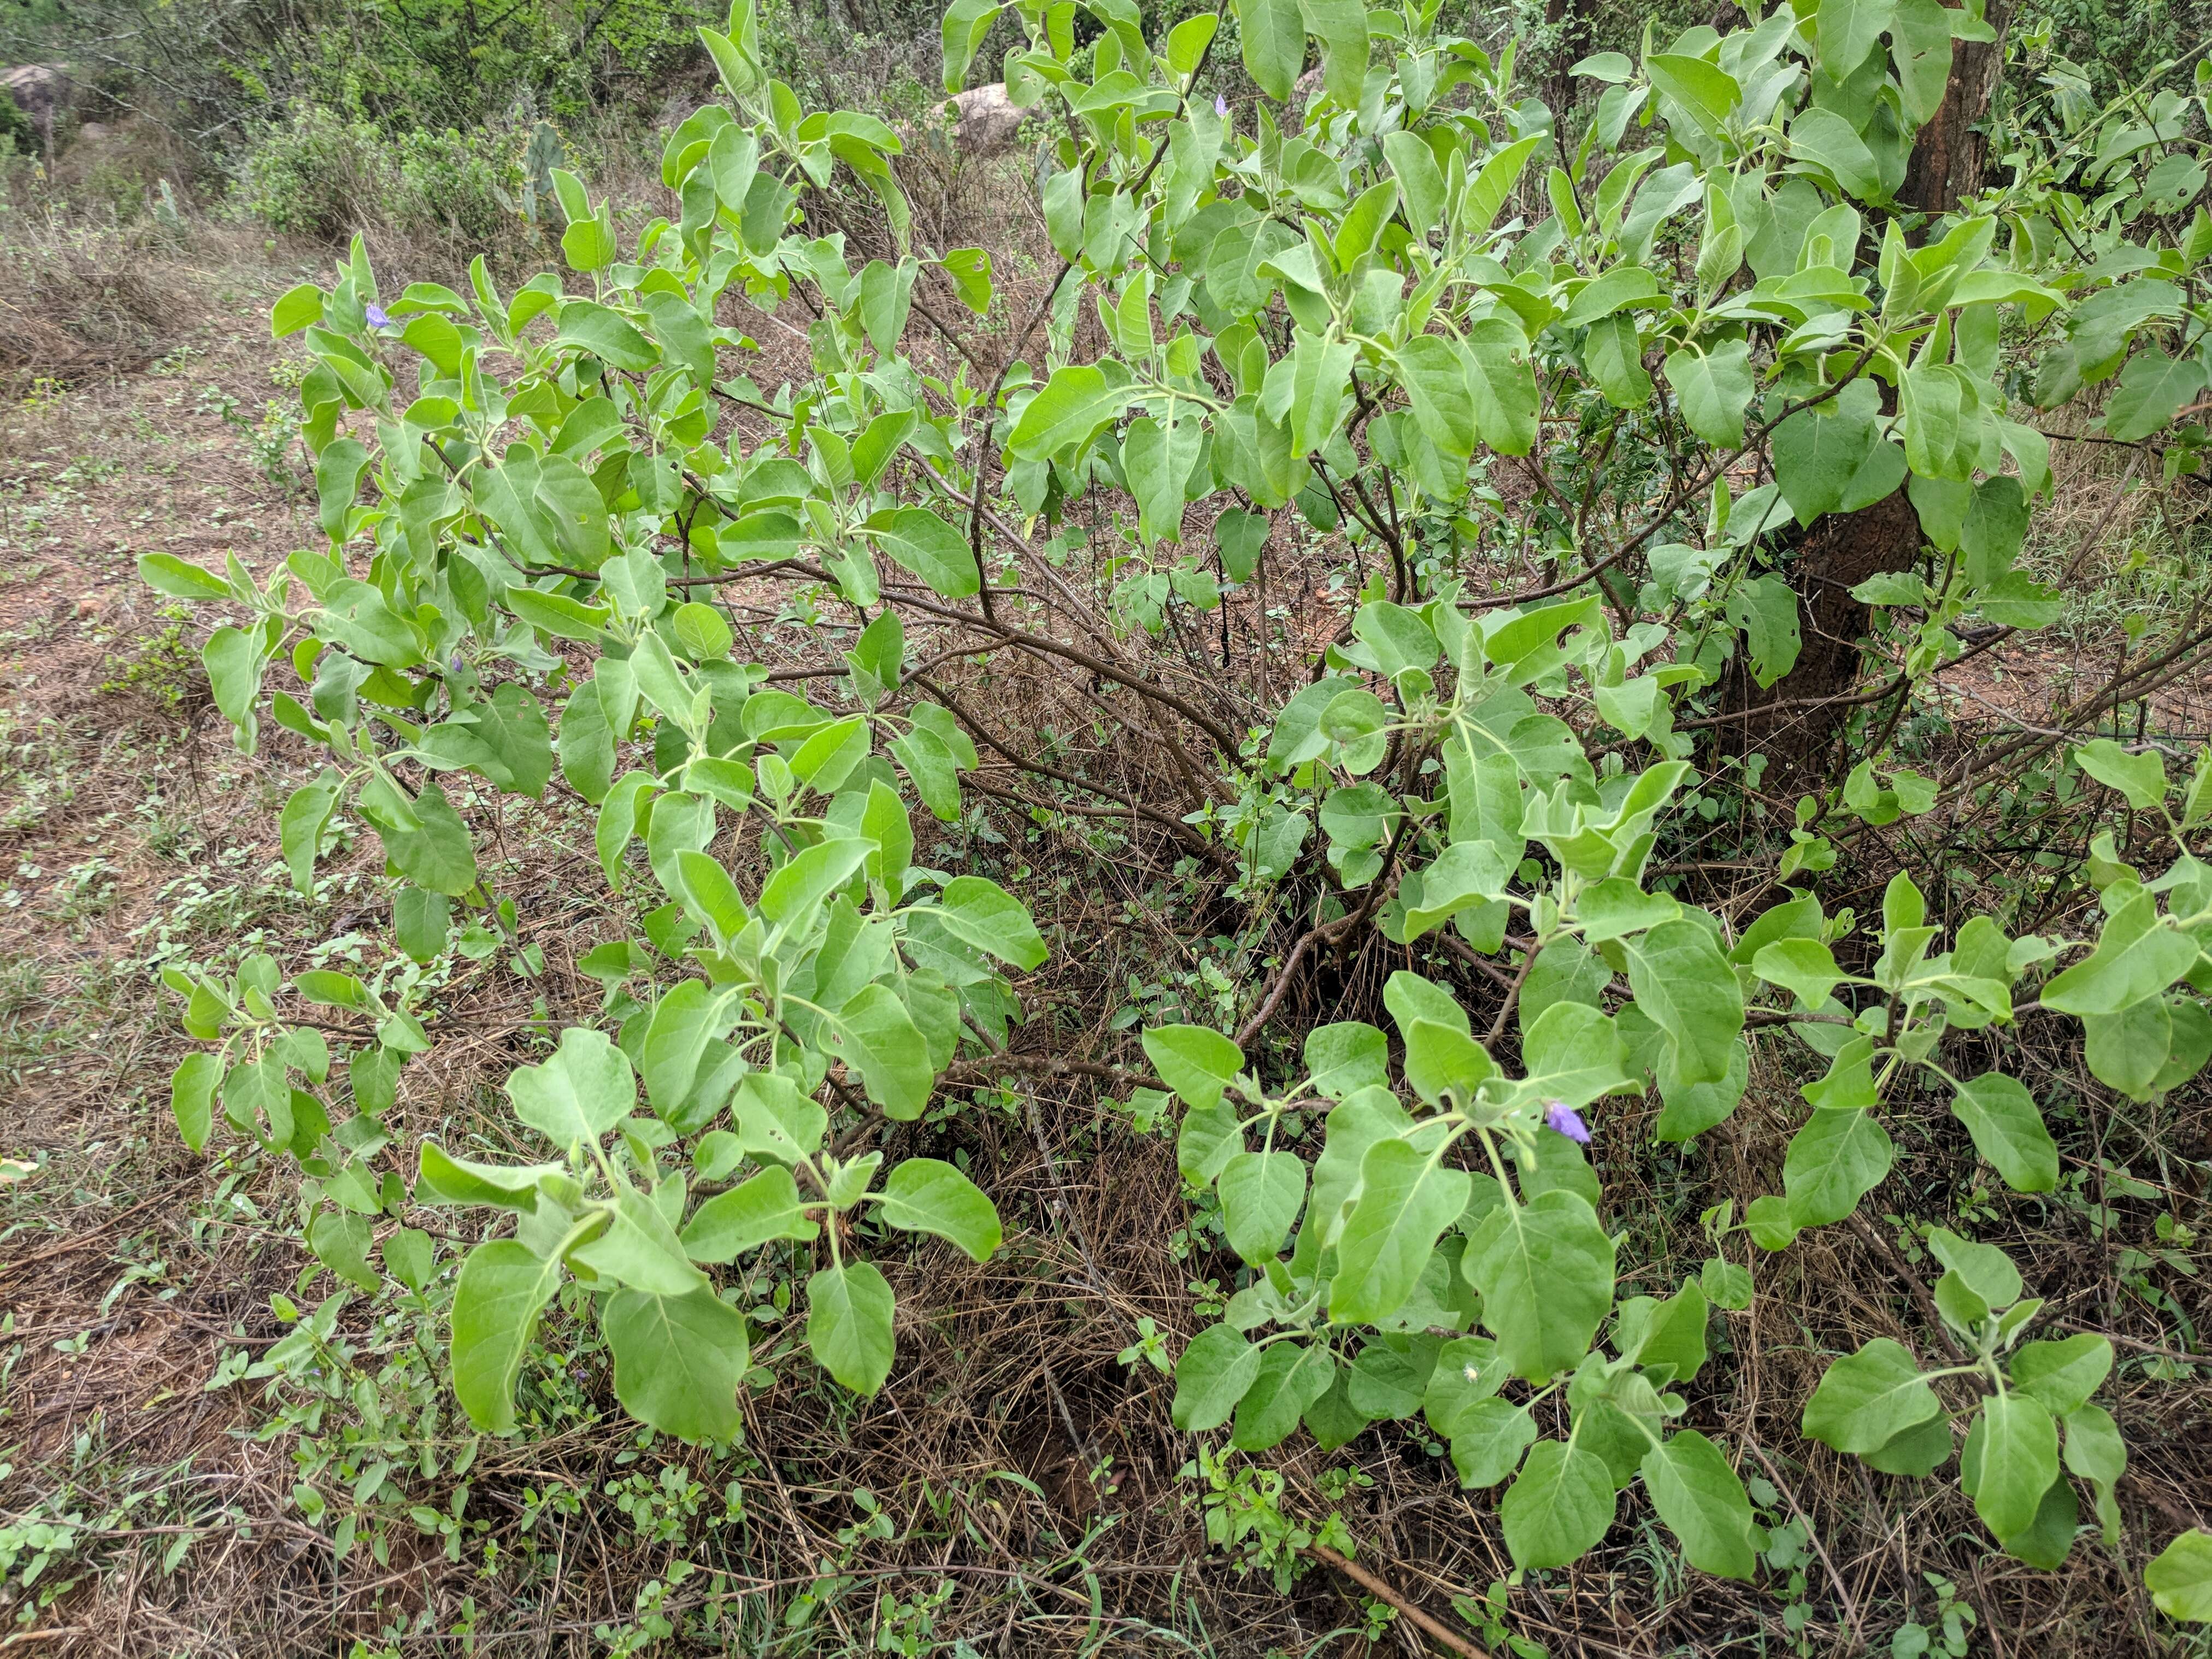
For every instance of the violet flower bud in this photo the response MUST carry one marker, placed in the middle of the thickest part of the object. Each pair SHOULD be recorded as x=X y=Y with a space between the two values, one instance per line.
x=1564 y=1120
x=1220 y=105
x=377 y=315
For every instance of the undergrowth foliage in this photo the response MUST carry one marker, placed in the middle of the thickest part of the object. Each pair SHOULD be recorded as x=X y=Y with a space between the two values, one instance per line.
x=1684 y=339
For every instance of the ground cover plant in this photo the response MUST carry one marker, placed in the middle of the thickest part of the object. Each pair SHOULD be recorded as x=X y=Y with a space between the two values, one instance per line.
x=1503 y=579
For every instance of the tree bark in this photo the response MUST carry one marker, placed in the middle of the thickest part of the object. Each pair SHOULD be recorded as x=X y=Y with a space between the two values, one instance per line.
x=1947 y=155
x=1795 y=721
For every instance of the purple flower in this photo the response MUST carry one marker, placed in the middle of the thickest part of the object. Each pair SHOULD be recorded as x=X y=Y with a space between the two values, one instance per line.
x=1564 y=1120
x=377 y=315
x=1220 y=105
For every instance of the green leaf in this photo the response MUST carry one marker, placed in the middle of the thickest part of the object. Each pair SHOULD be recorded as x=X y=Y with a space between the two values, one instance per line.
x=920 y=541
x=1765 y=609
x=1487 y=1439
x=790 y=896
x=1669 y=1332
x=1274 y=37
x=2128 y=1050
x=1545 y=1269
x=166 y=573
x=1434 y=377
x=1290 y=1378
x=1075 y=402
x=877 y=1036
x=191 y=1097
x=1682 y=982
x=581 y=1092
x=928 y=1195
x=1827 y=140
x=340 y=1240
x=1346 y=1057
x=441 y=1178
x=409 y=1256
x=640 y=1248
x=1706 y=91
x=606 y=334
x=1714 y=389
x=1558 y=1507
x=2154 y=388
x=989 y=917
x=439 y=854
x=1817 y=453
x=1917 y=1451
x=1260 y=1193
x=1341 y=26
x=495 y=1305
x=1196 y=1062
x=849 y=1324
x=1501 y=380
x=767 y=1205
x=678 y=1362
x=966 y=23
x=297 y=308
x=1984 y=1269
x=1840 y=1156
x=2137 y=956
x=1406 y=1199
x=1804 y=966
x=2007 y=1130
x=2019 y=1460
x=1212 y=1377
x=2180 y=1579
x=1441 y=1059
x=2063 y=1375
x=1864 y=1398
x=1848 y=30
x=2140 y=778
x=1702 y=1503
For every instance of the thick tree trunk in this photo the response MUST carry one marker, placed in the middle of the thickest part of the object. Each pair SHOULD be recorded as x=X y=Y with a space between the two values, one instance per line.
x=1948 y=154
x=1795 y=721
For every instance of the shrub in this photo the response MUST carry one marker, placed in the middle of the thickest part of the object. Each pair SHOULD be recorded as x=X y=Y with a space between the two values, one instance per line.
x=324 y=175
x=1614 y=445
